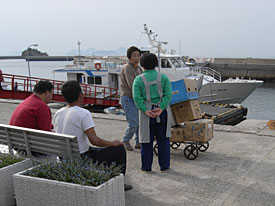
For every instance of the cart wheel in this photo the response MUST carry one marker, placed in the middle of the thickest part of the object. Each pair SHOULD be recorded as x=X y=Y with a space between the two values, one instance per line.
x=156 y=149
x=175 y=145
x=203 y=146
x=191 y=152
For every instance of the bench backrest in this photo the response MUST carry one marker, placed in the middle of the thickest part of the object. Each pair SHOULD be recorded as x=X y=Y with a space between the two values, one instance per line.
x=32 y=140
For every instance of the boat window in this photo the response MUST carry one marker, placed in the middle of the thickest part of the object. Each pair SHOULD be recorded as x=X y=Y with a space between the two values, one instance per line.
x=79 y=77
x=91 y=80
x=181 y=62
x=175 y=63
x=98 y=80
x=165 y=63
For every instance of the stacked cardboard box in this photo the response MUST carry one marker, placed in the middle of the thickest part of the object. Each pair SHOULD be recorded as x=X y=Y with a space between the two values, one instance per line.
x=183 y=90
x=186 y=111
x=186 y=114
x=184 y=104
x=200 y=130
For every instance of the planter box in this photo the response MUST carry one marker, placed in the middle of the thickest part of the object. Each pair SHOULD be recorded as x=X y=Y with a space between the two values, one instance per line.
x=6 y=181
x=38 y=191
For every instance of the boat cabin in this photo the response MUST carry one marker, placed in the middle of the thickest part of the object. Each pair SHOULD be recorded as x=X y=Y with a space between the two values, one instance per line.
x=100 y=73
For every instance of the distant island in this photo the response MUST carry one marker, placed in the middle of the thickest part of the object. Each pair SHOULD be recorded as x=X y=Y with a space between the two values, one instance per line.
x=94 y=52
x=33 y=52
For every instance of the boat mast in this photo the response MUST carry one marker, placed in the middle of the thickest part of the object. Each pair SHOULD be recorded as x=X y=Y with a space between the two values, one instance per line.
x=155 y=44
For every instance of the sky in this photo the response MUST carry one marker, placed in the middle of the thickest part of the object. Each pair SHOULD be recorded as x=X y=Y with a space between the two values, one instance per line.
x=197 y=28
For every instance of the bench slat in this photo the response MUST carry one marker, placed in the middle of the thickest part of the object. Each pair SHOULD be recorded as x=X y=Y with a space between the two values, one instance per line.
x=28 y=148
x=8 y=140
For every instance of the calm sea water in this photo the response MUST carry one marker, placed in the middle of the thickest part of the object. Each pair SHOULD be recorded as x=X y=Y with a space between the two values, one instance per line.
x=260 y=103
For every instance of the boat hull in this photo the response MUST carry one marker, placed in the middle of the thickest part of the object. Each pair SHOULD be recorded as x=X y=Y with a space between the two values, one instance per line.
x=227 y=92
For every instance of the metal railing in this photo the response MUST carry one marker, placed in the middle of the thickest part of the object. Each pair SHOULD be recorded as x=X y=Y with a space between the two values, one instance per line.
x=93 y=94
x=206 y=71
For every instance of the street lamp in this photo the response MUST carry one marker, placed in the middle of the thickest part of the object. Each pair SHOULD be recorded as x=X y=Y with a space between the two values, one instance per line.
x=29 y=59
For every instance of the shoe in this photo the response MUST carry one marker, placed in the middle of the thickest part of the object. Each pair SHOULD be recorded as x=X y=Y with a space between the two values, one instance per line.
x=143 y=170
x=138 y=146
x=128 y=146
x=164 y=170
x=127 y=187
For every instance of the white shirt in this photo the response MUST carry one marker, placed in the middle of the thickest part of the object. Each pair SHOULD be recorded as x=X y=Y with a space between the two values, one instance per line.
x=74 y=121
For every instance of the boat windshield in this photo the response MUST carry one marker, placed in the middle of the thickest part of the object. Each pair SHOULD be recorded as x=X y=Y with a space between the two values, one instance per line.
x=181 y=61
x=175 y=63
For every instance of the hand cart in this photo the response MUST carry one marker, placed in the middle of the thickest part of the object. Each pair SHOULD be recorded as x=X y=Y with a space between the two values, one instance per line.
x=191 y=151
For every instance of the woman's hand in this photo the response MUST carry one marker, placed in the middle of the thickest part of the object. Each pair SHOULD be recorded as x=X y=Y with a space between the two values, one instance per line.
x=157 y=112
x=150 y=113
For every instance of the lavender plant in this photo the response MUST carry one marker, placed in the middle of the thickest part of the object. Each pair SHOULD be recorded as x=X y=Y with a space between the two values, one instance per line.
x=7 y=159
x=83 y=172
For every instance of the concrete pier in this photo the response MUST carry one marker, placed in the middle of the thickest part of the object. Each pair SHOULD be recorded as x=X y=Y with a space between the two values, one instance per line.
x=237 y=169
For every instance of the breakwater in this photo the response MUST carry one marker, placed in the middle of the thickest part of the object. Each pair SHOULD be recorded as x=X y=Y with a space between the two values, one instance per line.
x=41 y=58
x=261 y=69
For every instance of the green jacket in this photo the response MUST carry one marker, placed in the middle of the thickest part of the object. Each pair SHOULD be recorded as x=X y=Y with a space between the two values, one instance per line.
x=139 y=93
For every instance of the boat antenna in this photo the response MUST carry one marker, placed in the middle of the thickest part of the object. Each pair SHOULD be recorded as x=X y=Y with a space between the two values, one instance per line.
x=152 y=40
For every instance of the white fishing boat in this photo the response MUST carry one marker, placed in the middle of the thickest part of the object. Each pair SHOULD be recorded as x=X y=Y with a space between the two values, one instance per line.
x=210 y=84
x=105 y=71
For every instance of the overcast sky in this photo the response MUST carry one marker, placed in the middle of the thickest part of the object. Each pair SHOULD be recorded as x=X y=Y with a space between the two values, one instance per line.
x=205 y=28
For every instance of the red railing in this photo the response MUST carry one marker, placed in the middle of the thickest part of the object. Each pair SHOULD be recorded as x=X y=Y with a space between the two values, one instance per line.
x=20 y=87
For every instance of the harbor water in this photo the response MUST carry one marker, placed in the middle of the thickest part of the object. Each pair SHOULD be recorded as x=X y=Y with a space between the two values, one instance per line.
x=259 y=103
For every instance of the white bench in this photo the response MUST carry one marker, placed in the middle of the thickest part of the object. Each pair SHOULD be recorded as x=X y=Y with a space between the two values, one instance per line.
x=32 y=140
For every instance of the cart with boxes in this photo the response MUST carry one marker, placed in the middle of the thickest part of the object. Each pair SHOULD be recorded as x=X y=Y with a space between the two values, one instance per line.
x=187 y=126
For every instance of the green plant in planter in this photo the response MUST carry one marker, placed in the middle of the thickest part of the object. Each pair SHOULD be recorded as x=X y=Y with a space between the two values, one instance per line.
x=83 y=172
x=7 y=159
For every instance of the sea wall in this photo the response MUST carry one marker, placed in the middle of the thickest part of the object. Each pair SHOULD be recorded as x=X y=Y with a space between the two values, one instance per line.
x=263 y=69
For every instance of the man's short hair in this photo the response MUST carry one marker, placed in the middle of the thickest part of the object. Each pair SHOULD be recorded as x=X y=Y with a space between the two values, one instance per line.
x=43 y=86
x=71 y=90
x=148 y=61
x=132 y=49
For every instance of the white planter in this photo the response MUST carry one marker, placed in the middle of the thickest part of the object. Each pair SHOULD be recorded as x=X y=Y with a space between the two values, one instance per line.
x=33 y=191
x=6 y=181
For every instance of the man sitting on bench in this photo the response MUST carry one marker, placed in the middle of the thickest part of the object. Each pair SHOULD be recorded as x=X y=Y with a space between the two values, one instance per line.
x=33 y=112
x=74 y=120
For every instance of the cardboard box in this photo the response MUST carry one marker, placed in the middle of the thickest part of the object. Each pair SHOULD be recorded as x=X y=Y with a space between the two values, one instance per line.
x=190 y=85
x=186 y=111
x=173 y=121
x=271 y=124
x=200 y=130
x=182 y=90
x=196 y=131
x=177 y=134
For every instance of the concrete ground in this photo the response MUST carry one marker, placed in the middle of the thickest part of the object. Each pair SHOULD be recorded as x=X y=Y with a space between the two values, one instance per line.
x=237 y=169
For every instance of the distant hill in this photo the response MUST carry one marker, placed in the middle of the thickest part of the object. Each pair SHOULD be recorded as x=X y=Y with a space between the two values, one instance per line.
x=92 y=51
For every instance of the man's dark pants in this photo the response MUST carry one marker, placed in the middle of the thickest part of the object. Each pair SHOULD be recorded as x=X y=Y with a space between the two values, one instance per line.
x=108 y=155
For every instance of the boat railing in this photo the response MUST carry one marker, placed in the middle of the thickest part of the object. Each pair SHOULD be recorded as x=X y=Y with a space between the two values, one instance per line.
x=24 y=84
x=206 y=71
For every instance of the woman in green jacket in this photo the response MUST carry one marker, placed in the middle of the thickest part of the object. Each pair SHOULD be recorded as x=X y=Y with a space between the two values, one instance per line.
x=152 y=94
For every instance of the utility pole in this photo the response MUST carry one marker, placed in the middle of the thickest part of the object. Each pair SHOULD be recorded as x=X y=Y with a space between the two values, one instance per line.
x=79 y=52
x=79 y=48
x=180 y=48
